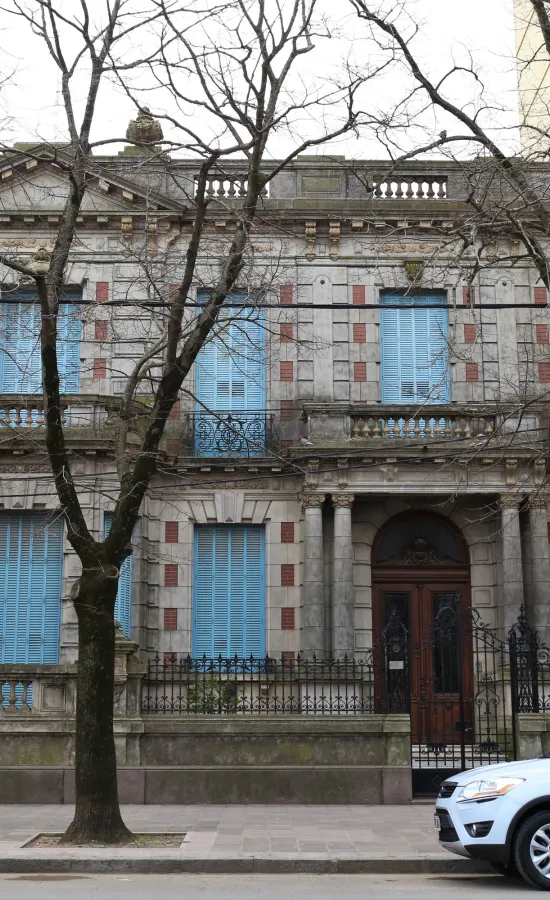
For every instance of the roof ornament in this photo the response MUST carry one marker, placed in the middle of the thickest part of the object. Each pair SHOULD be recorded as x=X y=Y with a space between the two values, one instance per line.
x=144 y=129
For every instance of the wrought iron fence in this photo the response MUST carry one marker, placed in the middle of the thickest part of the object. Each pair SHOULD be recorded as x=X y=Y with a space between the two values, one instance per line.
x=267 y=686
x=229 y=434
x=529 y=667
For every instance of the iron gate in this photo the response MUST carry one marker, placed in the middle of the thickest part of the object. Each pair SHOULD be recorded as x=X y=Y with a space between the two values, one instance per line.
x=461 y=700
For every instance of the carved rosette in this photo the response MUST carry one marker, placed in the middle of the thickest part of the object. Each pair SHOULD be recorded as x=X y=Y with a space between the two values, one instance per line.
x=344 y=501
x=312 y=501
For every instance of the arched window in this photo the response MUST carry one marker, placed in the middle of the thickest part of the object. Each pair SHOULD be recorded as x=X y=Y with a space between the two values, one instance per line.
x=419 y=539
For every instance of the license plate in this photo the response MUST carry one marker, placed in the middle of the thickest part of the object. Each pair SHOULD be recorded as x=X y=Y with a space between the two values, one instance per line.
x=437 y=823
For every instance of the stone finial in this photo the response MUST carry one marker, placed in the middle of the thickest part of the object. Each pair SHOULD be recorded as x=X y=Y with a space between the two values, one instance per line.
x=40 y=262
x=144 y=129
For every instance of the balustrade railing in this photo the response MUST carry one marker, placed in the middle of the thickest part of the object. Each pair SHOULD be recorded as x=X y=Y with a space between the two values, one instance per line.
x=426 y=425
x=229 y=434
x=419 y=187
x=228 y=186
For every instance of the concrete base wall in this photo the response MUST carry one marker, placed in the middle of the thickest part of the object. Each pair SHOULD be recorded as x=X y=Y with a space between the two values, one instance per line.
x=220 y=784
x=221 y=759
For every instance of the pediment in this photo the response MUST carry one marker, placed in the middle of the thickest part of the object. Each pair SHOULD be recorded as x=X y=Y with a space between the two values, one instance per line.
x=31 y=185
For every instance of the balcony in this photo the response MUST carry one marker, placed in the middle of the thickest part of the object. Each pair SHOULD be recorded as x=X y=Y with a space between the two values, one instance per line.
x=229 y=434
x=376 y=425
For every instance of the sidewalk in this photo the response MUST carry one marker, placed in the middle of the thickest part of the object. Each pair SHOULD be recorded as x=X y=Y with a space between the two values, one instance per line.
x=244 y=839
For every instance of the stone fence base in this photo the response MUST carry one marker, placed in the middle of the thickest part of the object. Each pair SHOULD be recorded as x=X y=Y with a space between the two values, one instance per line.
x=219 y=759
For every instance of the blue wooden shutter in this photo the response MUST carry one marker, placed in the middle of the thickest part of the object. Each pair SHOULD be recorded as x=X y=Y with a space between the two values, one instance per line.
x=31 y=571
x=229 y=591
x=123 y=603
x=414 y=350
x=20 y=361
x=69 y=328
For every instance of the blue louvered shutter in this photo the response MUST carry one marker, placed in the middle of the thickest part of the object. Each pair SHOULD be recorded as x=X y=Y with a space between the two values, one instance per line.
x=69 y=328
x=123 y=604
x=229 y=592
x=20 y=361
x=414 y=350
x=31 y=571
x=230 y=379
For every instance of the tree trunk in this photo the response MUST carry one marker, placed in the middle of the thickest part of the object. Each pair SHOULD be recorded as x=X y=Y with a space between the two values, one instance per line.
x=97 y=815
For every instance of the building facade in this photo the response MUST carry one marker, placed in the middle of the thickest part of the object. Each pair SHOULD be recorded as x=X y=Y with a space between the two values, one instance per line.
x=533 y=69
x=362 y=444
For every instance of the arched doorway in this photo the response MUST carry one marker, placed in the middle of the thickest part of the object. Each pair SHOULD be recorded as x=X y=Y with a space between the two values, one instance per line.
x=421 y=590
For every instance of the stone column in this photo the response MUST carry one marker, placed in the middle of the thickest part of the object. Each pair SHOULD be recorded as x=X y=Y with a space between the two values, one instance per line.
x=540 y=563
x=313 y=637
x=342 y=578
x=512 y=570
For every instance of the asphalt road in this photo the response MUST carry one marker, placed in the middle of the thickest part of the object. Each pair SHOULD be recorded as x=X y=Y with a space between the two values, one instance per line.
x=259 y=887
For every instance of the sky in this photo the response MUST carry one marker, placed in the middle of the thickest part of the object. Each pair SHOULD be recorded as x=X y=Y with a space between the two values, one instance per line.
x=450 y=31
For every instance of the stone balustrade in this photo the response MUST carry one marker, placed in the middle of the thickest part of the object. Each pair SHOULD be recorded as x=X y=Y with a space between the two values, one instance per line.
x=420 y=187
x=91 y=411
x=37 y=689
x=344 y=424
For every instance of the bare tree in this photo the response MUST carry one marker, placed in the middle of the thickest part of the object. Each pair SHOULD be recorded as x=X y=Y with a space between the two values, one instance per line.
x=226 y=79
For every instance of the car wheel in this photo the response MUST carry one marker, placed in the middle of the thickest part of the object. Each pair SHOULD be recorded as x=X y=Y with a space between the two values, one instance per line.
x=532 y=850
x=510 y=871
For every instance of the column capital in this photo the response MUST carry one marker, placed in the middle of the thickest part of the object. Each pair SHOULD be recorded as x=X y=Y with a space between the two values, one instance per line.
x=312 y=501
x=538 y=500
x=509 y=501
x=343 y=500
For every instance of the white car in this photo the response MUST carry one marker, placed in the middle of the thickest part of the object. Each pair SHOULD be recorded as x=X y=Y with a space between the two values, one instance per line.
x=500 y=813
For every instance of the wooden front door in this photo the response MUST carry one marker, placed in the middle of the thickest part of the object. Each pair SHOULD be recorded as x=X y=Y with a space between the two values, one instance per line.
x=438 y=655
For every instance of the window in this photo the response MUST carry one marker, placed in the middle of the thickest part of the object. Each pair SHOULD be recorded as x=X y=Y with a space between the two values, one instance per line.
x=31 y=570
x=414 y=349
x=20 y=364
x=229 y=591
x=123 y=605
x=230 y=381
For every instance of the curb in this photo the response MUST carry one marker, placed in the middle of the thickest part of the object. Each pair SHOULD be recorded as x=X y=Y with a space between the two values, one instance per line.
x=155 y=865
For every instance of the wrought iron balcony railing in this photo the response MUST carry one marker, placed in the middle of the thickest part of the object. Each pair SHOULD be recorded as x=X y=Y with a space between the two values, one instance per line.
x=230 y=434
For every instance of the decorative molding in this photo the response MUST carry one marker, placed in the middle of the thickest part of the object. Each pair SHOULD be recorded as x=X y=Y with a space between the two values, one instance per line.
x=334 y=238
x=311 y=237
x=540 y=472
x=509 y=501
x=343 y=501
x=420 y=553
x=312 y=501
x=343 y=466
x=539 y=500
x=511 y=472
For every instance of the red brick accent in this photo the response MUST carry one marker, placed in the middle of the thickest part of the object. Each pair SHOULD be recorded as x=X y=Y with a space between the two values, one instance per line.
x=173 y=292
x=285 y=292
x=101 y=330
x=359 y=371
x=100 y=368
x=358 y=294
x=169 y=659
x=171 y=532
x=170 y=620
x=541 y=297
x=175 y=411
x=286 y=371
x=172 y=447
x=287 y=332
x=287 y=532
x=544 y=372
x=472 y=371
x=287 y=575
x=542 y=334
x=288 y=658
x=469 y=334
x=288 y=618
x=359 y=333
x=102 y=291
x=170 y=575
x=287 y=410
x=468 y=295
